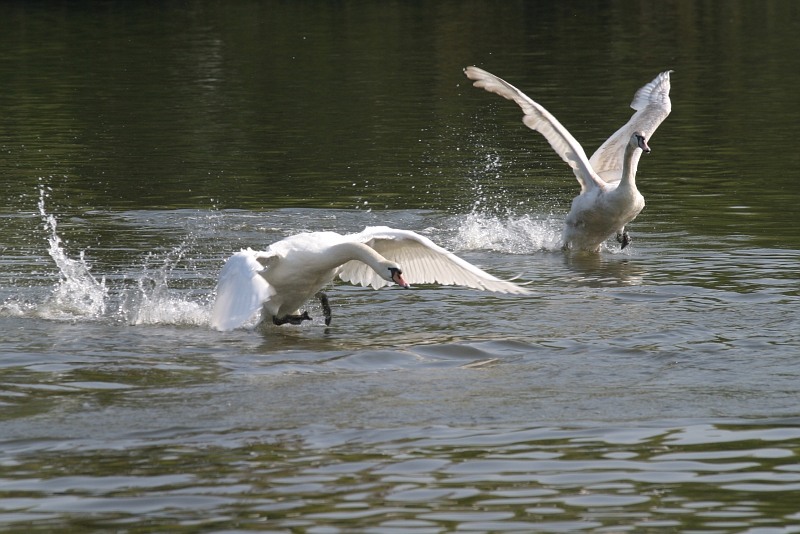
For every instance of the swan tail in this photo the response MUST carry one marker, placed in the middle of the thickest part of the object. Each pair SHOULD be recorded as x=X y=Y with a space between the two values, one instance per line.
x=241 y=291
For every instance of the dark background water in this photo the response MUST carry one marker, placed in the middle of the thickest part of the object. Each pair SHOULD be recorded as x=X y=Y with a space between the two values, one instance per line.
x=650 y=390
x=268 y=104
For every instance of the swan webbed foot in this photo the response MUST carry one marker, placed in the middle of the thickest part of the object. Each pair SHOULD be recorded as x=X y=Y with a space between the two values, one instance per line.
x=291 y=319
x=326 y=307
x=624 y=238
x=298 y=319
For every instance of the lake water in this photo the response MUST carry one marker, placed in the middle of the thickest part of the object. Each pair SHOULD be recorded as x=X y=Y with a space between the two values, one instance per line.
x=654 y=389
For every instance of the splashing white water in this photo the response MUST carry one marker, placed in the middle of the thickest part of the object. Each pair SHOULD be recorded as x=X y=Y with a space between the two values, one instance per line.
x=153 y=302
x=510 y=234
x=494 y=221
x=77 y=293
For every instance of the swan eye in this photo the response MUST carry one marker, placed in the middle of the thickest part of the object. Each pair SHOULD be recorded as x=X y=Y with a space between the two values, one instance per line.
x=641 y=141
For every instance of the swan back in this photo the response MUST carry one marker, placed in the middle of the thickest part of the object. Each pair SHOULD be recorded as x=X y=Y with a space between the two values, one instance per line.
x=652 y=105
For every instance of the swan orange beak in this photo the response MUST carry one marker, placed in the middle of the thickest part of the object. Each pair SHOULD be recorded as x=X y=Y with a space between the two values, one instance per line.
x=397 y=276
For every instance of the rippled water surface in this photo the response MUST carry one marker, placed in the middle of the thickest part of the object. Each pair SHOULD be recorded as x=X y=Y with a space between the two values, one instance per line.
x=653 y=389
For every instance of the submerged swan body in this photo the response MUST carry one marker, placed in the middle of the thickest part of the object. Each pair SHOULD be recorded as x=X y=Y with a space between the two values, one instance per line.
x=609 y=199
x=282 y=278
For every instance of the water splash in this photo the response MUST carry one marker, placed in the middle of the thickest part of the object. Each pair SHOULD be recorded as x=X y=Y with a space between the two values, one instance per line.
x=493 y=222
x=77 y=293
x=143 y=297
x=509 y=234
x=153 y=302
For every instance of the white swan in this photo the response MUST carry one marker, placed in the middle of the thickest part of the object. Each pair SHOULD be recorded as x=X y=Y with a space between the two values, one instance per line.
x=282 y=278
x=609 y=199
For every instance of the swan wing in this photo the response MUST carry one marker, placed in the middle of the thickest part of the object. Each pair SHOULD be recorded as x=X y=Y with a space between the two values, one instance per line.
x=652 y=105
x=539 y=119
x=241 y=290
x=422 y=261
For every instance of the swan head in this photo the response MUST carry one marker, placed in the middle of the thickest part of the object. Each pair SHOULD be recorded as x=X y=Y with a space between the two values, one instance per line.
x=638 y=141
x=393 y=273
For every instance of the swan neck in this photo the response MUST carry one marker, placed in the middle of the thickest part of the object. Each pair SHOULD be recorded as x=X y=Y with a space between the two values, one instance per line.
x=344 y=252
x=630 y=163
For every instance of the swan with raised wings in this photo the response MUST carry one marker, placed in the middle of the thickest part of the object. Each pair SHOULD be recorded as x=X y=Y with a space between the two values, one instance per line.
x=282 y=278
x=609 y=199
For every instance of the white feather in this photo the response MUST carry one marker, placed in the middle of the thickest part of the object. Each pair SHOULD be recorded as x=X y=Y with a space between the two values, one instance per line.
x=652 y=105
x=240 y=291
x=422 y=261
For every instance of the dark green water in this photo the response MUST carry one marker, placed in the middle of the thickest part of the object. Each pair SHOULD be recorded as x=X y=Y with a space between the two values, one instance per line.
x=650 y=390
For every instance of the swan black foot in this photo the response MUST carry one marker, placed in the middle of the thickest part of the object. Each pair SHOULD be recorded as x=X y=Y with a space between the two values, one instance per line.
x=291 y=319
x=298 y=319
x=624 y=238
x=326 y=307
